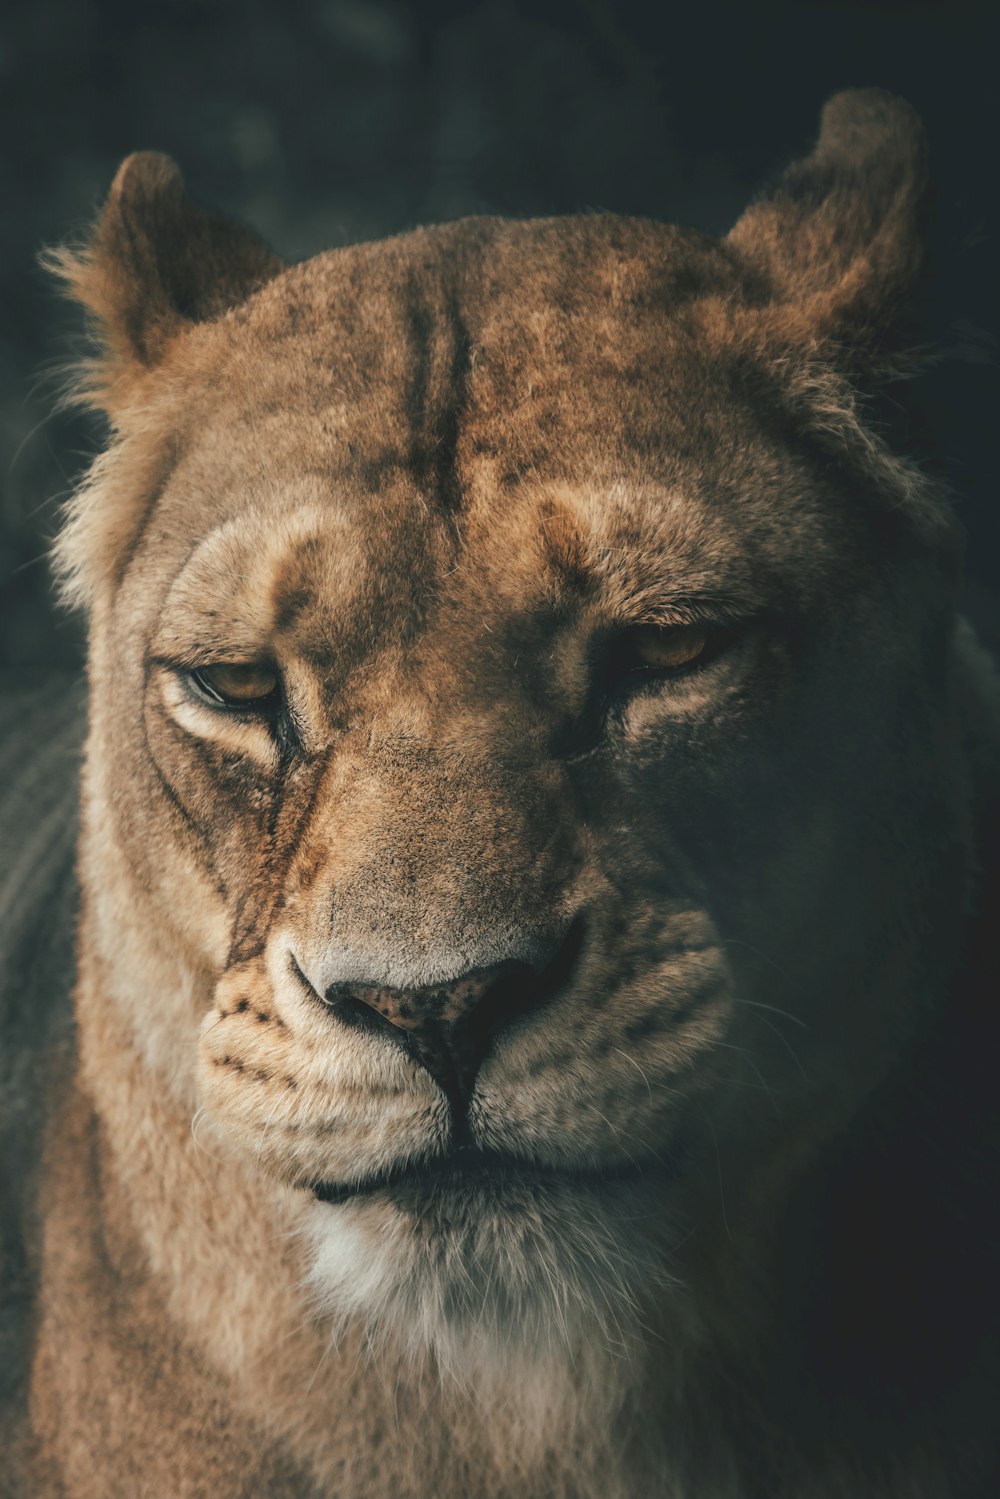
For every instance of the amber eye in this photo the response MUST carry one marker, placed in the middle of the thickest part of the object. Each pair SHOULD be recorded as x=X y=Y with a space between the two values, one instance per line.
x=650 y=653
x=237 y=685
x=659 y=649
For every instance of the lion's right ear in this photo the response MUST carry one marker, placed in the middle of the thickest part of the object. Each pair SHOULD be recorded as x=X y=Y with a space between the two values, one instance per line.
x=155 y=264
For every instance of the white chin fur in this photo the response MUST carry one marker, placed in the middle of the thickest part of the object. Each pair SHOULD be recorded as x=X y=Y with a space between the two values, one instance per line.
x=492 y=1286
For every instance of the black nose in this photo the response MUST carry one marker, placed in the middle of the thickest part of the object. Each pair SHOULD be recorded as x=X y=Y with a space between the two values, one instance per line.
x=450 y=1027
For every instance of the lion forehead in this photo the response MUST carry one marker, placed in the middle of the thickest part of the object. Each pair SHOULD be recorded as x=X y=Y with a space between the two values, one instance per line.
x=487 y=341
x=557 y=395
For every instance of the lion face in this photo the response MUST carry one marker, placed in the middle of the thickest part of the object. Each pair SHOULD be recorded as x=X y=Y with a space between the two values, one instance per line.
x=506 y=698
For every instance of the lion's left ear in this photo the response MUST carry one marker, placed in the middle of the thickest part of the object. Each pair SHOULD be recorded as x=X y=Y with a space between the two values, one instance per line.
x=838 y=241
x=155 y=263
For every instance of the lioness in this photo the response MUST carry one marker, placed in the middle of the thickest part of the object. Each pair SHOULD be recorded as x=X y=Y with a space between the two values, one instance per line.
x=532 y=998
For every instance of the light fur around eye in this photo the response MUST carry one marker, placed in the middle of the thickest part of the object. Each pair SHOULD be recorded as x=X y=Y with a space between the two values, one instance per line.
x=248 y=732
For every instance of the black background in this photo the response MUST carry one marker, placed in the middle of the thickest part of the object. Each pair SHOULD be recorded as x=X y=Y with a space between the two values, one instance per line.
x=327 y=121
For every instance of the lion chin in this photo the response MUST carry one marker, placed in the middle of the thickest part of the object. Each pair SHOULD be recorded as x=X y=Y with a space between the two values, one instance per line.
x=534 y=983
x=491 y=1275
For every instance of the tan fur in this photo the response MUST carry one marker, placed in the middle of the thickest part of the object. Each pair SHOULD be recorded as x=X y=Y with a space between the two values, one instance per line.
x=433 y=479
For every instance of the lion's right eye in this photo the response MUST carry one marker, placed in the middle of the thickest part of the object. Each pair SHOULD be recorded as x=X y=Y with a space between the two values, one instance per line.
x=246 y=685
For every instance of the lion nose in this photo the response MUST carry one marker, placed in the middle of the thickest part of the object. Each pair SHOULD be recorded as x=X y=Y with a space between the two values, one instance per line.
x=447 y=1027
x=450 y=1028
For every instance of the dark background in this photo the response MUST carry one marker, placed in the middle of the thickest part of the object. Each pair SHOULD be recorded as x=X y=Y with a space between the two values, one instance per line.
x=327 y=121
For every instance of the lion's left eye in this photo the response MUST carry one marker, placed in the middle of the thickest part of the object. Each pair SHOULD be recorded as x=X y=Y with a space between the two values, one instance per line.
x=237 y=684
x=654 y=648
x=661 y=653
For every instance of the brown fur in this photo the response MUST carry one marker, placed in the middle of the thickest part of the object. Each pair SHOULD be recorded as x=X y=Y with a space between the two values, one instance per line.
x=434 y=480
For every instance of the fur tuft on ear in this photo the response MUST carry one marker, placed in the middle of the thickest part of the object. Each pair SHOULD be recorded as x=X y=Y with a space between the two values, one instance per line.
x=838 y=240
x=155 y=263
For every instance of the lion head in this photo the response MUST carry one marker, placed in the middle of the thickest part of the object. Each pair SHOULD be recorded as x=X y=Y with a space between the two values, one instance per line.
x=517 y=678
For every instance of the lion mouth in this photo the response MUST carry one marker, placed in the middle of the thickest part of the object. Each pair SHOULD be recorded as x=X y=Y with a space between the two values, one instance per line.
x=466 y=1169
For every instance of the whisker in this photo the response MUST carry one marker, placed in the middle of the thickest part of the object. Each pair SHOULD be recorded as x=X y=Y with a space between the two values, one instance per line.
x=638 y=1069
x=755 y=1004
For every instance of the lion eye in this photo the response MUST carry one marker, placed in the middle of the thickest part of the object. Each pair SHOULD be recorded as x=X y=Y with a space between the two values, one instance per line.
x=237 y=685
x=659 y=652
x=667 y=649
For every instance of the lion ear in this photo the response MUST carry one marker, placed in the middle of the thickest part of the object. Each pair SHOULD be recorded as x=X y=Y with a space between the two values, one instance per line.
x=155 y=264
x=838 y=240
